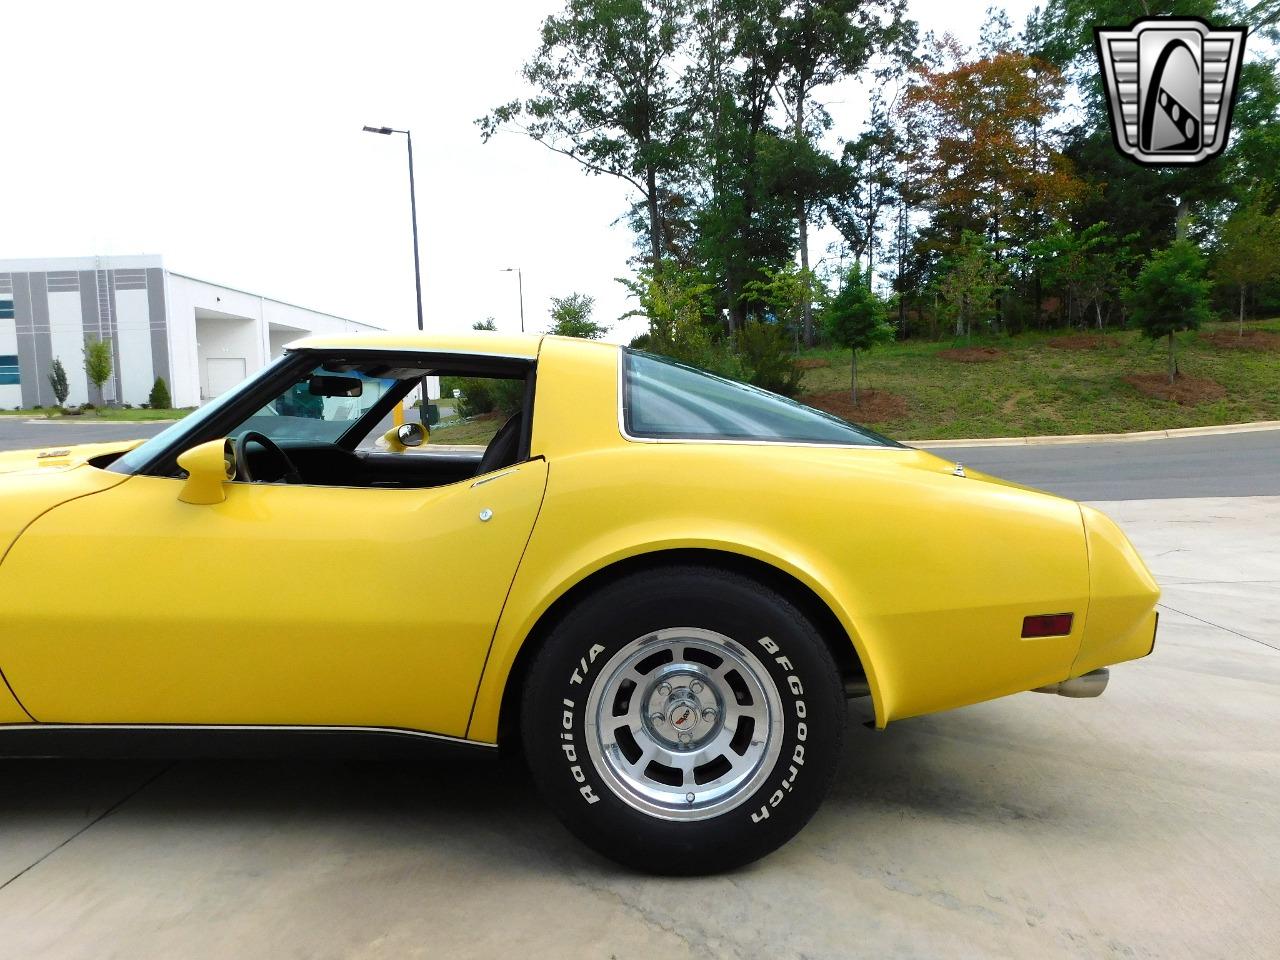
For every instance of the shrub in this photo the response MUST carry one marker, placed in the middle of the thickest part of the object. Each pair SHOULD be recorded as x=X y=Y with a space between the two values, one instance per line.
x=159 y=398
x=481 y=395
x=767 y=358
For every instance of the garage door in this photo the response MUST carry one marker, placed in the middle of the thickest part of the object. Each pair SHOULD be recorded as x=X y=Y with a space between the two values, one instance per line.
x=223 y=374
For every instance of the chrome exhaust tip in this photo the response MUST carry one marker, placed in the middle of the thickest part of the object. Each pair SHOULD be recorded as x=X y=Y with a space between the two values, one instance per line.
x=1090 y=684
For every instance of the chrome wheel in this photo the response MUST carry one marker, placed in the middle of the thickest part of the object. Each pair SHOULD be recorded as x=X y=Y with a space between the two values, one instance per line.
x=684 y=723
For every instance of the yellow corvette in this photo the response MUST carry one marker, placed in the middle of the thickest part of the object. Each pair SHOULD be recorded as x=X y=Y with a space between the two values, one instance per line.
x=660 y=583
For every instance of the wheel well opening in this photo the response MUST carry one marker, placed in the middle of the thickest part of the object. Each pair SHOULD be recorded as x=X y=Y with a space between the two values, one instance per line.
x=796 y=592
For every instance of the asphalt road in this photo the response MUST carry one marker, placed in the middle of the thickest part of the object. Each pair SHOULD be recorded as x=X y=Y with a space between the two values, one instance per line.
x=19 y=433
x=1229 y=465
x=1144 y=824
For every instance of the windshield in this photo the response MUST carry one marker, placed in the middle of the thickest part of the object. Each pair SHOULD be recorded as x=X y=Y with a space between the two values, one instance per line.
x=137 y=458
x=664 y=399
x=318 y=406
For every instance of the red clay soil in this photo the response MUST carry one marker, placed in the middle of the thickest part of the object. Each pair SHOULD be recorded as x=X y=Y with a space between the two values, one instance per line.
x=1252 y=340
x=812 y=363
x=972 y=354
x=1184 y=390
x=1083 y=341
x=873 y=406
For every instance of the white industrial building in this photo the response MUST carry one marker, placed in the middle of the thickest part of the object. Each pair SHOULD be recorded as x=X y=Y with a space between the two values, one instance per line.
x=201 y=337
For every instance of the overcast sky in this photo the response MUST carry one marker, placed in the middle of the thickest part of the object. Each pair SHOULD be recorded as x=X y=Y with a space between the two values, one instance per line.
x=226 y=137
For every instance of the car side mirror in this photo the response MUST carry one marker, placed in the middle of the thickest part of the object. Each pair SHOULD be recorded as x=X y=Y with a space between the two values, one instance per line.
x=398 y=439
x=208 y=467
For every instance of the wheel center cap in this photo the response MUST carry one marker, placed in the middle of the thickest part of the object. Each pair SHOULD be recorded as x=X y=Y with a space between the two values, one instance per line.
x=683 y=716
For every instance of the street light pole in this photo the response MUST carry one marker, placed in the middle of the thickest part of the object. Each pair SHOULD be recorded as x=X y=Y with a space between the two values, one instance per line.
x=413 y=212
x=520 y=284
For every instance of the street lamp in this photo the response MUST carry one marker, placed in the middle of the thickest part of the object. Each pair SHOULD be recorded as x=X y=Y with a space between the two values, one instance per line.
x=520 y=282
x=413 y=212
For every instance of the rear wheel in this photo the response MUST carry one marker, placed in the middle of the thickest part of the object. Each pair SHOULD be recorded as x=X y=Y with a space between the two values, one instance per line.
x=684 y=720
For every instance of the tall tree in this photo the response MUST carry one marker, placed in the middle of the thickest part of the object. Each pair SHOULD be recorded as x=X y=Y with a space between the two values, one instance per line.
x=986 y=165
x=607 y=96
x=818 y=43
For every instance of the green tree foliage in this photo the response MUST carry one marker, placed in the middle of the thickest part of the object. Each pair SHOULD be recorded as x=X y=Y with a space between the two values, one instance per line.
x=819 y=42
x=159 y=398
x=855 y=318
x=483 y=395
x=1171 y=294
x=571 y=317
x=768 y=362
x=969 y=285
x=786 y=295
x=1089 y=266
x=97 y=362
x=58 y=381
x=675 y=303
x=1250 y=251
x=982 y=186
x=606 y=95
x=488 y=323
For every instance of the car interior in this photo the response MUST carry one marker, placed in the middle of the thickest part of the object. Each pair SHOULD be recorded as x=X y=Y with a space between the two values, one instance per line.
x=328 y=423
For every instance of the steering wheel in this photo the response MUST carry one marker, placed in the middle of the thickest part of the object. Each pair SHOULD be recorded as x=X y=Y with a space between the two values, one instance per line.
x=290 y=474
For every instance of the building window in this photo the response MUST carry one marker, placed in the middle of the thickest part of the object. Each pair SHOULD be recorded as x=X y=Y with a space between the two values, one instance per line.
x=6 y=308
x=9 y=369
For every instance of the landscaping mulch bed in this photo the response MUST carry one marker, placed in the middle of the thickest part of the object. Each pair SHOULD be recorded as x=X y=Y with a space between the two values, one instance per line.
x=1183 y=390
x=971 y=354
x=873 y=406
x=1252 y=340
x=812 y=363
x=1083 y=341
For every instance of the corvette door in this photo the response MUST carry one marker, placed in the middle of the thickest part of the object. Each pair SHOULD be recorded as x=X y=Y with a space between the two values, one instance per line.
x=284 y=604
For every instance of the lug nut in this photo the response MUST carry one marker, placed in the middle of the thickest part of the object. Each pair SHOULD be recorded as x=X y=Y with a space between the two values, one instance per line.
x=685 y=737
x=664 y=689
x=658 y=719
x=709 y=714
x=696 y=686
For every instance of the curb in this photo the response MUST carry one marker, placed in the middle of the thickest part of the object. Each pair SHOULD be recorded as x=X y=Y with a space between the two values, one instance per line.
x=1173 y=434
x=76 y=421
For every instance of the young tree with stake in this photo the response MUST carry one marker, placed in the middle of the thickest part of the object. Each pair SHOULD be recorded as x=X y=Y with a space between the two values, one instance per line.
x=58 y=381
x=855 y=318
x=1171 y=294
x=97 y=362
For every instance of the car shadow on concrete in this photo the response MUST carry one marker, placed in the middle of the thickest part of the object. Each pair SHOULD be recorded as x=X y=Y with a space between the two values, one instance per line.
x=960 y=766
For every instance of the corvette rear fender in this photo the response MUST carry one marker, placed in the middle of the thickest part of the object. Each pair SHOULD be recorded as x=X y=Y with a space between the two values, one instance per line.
x=516 y=629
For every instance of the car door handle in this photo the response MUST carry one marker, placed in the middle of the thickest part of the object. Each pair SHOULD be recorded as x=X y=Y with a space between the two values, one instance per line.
x=493 y=476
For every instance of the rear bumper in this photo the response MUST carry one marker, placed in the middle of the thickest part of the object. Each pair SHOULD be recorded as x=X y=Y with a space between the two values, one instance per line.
x=1122 y=617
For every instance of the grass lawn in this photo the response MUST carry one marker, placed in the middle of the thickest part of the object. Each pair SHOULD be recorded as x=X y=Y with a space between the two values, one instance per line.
x=477 y=430
x=1030 y=388
x=113 y=415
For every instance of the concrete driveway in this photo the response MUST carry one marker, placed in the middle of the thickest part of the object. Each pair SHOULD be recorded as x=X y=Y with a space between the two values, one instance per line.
x=1142 y=824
